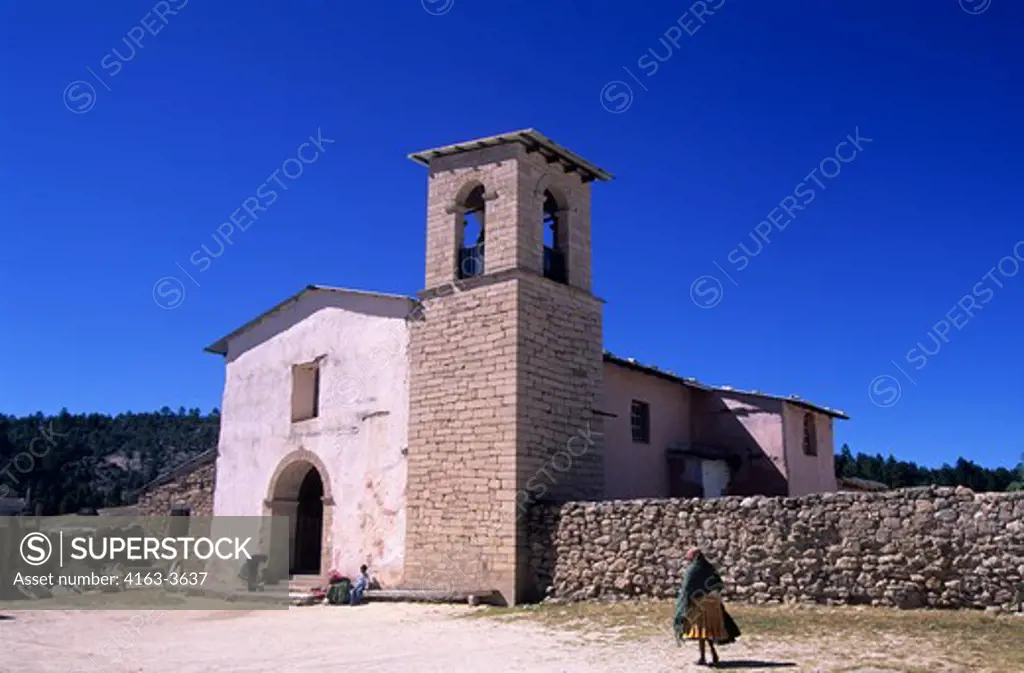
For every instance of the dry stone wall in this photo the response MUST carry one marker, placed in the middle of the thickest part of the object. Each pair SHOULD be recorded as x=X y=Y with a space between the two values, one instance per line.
x=923 y=547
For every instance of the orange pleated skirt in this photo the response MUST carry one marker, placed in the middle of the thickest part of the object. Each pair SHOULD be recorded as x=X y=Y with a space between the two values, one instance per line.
x=705 y=620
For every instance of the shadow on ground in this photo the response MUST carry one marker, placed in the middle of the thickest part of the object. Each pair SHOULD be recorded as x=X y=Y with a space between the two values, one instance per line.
x=753 y=663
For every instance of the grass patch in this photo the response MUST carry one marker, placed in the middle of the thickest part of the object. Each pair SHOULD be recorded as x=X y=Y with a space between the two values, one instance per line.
x=971 y=639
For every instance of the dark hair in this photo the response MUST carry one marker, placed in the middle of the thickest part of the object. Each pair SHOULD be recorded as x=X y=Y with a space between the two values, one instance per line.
x=362 y=569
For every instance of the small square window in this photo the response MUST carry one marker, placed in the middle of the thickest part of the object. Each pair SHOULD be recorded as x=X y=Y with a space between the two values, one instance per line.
x=640 y=421
x=305 y=391
x=810 y=436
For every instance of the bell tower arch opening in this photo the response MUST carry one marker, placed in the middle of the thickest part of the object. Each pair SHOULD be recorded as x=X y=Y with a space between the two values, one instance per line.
x=470 y=233
x=556 y=235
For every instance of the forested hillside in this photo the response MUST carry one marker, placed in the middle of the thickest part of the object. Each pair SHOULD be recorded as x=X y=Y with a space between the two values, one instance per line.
x=70 y=461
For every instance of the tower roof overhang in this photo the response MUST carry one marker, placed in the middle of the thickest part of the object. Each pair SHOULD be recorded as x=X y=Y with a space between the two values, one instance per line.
x=533 y=140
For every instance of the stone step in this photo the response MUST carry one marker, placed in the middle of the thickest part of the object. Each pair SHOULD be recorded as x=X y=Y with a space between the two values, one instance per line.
x=471 y=596
x=306 y=582
x=300 y=590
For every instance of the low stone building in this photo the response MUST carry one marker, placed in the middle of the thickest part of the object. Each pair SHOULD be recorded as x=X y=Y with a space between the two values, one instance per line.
x=188 y=487
x=858 y=485
x=411 y=433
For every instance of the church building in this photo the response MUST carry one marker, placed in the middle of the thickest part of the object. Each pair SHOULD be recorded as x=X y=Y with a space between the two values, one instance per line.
x=411 y=434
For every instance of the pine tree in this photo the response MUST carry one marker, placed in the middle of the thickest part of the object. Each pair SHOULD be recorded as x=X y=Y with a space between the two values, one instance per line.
x=1018 y=483
x=846 y=464
x=900 y=474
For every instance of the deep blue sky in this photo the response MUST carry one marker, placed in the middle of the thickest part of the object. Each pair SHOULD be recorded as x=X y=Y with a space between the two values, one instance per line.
x=96 y=207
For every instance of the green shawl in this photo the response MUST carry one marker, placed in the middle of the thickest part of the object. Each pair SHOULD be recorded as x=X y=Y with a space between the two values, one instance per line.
x=700 y=580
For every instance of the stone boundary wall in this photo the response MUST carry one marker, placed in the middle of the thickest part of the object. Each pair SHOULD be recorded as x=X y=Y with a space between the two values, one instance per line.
x=922 y=547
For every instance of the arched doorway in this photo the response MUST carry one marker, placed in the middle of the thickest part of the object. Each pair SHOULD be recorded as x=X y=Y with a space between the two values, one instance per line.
x=299 y=495
x=309 y=524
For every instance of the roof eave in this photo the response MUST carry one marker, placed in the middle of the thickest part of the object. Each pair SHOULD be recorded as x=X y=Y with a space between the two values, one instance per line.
x=220 y=346
x=191 y=465
x=530 y=138
x=693 y=383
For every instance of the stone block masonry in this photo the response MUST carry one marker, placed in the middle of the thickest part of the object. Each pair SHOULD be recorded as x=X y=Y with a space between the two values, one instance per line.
x=460 y=508
x=924 y=547
x=502 y=378
x=559 y=368
x=505 y=373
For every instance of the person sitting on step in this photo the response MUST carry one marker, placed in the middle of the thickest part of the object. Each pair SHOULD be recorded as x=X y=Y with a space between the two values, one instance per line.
x=356 y=597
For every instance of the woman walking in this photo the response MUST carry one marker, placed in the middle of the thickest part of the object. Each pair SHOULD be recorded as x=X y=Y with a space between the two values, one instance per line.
x=700 y=614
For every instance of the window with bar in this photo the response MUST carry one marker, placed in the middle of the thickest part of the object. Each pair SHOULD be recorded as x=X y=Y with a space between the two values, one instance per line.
x=810 y=436
x=640 y=421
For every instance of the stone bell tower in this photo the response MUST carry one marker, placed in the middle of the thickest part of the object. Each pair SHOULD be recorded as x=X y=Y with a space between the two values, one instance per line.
x=505 y=360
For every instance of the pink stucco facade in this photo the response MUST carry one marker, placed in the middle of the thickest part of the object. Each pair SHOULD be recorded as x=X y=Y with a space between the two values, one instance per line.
x=759 y=437
x=357 y=442
x=809 y=474
x=749 y=428
x=634 y=470
x=747 y=443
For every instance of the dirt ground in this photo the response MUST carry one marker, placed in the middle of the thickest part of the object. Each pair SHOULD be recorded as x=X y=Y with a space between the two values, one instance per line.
x=409 y=638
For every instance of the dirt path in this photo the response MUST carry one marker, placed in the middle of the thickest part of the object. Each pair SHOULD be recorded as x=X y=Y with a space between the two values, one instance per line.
x=379 y=638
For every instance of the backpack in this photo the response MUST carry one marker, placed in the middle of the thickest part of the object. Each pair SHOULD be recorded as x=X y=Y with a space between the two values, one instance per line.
x=339 y=592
